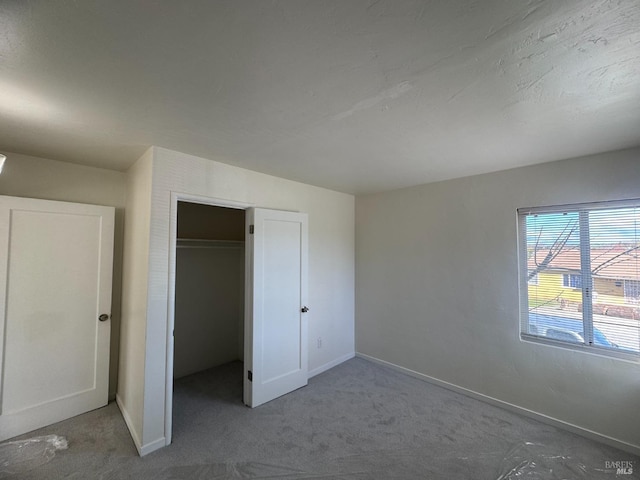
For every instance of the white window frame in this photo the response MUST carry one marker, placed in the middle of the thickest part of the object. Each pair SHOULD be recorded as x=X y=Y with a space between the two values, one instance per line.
x=583 y=210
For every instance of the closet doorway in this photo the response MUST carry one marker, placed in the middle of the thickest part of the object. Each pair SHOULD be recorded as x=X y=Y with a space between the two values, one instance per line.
x=209 y=290
x=229 y=261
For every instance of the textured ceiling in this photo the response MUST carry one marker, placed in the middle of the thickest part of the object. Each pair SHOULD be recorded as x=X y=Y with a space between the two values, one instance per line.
x=357 y=96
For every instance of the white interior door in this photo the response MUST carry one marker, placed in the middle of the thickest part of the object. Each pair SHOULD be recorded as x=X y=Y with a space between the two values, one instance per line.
x=55 y=282
x=275 y=324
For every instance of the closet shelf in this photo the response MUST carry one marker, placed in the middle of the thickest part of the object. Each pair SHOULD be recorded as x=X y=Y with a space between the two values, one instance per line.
x=205 y=243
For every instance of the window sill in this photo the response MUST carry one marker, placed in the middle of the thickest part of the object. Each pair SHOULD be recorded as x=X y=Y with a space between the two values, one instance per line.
x=611 y=353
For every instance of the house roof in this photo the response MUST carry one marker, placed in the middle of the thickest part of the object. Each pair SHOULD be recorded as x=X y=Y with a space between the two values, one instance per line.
x=616 y=262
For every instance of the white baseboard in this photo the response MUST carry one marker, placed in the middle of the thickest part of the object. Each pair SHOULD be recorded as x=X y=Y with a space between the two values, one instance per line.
x=129 y=423
x=613 y=442
x=153 y=446
x=331 y=364
x=142 y=449
x=161 y=442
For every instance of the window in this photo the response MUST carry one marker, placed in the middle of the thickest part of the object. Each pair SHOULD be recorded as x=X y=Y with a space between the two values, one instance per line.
x=571 y=280
x=589 y=255
x=632 y=291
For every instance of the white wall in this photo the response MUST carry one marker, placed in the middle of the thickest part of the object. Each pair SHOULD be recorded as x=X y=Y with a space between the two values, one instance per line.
x=437 y=291
x=209 y=309
x=33 y=177
x=133 y=335
x=331 y=265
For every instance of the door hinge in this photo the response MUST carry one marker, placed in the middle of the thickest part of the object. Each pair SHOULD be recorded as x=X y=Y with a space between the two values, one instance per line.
x=251 y=229
x=250 y=375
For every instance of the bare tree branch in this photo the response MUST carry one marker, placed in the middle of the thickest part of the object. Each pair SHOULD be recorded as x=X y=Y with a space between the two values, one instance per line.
x=612 y=261
x=555 y=249
x=603 y=253
x=547 y=302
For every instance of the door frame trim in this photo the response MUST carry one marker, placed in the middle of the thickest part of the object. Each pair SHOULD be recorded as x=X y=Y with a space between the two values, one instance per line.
x=171 y=294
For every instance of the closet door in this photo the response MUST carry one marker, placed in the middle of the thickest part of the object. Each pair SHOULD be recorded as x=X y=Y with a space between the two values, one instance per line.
x=275 y=314
x=55 y=302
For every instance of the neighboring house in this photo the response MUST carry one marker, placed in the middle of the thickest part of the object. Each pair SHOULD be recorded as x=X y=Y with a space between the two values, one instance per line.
x=616 y=279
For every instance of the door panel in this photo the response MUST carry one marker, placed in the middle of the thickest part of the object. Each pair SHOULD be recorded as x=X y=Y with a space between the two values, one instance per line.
x=275 y=328
x=56 y=264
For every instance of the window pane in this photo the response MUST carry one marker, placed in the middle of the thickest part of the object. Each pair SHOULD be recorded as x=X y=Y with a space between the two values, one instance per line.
x=615 y=269
x=572 y=280
x=553 y=256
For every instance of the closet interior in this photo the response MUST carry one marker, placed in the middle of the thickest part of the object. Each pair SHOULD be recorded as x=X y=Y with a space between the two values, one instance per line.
x=209 y=288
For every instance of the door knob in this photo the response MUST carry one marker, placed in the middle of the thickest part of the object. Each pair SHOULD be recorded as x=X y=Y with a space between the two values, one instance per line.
x=104 y=317
x=304 y=309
